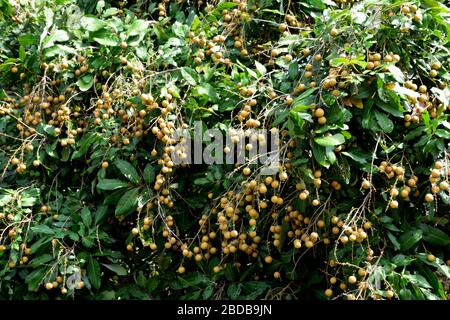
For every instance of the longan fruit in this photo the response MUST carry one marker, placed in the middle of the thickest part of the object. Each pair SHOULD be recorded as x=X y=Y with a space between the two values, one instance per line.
x=389 y=294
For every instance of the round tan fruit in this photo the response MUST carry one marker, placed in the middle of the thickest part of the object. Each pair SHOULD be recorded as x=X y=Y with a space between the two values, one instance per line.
x=429 y=197
x=389 y=294
x=319 y=112
x=394 y=204
x=352 y=279
x=322 y=120
x=366 y=184
x=334 y=32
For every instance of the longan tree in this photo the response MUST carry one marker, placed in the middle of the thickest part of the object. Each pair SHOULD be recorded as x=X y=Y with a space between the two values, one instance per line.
x=98 y=198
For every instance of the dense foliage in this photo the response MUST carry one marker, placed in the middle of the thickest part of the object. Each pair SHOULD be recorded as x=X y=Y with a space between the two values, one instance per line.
x=93 y=207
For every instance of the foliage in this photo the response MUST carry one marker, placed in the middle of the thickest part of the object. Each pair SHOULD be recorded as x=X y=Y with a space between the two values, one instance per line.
x=93 y=207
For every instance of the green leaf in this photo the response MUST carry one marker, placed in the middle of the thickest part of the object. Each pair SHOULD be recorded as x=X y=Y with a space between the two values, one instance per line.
x=86 y=141
x=303 y=100
x=260 y=67
x=110 y=12
x=442 y=95
x=86 y=82
x=127 y=202
x=320 y=155
x=42 y=242
x=41 y=260
x=55 y=36
x=149 y=173
x=331 y=156
x=189 y=75
x=384 y=122
x=22 y=54
x=179 y=29
x=336 y=62
x=207 y=293
x=396 y=73
x=401 y=260
x=27 y=40
x=102 y=212
x=358 y=156
x=390 y=109
x=330 y=141
x=92 y=23
x=410 y=238
x=207 y=91
x=435 y=236
x=86 y=216
x=137 y=27
x=35 y=278
x=433 y=280
x=442 y=133
x=393 y=240
x=201 y=181
x=234 y=290
x=106 y=38
x=93 y=272
x=225 y=5
x=111 y=184
x=127 y=170
x=42 y=228
x=116 y=268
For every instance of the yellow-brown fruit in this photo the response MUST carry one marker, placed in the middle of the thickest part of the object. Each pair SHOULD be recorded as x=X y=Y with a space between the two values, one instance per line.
x=322 y=120
x=436 y=65
x=334 y=32
x=275 y=53
x=366 y=184
x=352 y=279
x=319 y=112
x=361 y=272
x=389 y=294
